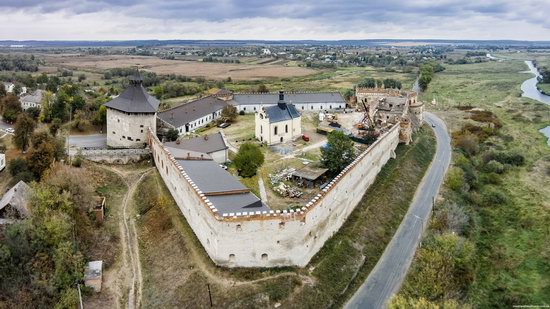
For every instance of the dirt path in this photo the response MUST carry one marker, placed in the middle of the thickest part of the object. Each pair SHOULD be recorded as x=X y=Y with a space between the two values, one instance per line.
x=130 y=250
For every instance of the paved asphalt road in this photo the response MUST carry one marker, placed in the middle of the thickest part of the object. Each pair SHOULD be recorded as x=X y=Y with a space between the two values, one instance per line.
x=390 y=271
x=92 y=140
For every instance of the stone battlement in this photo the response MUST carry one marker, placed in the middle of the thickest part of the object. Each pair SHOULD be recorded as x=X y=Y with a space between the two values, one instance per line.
x=273 y=238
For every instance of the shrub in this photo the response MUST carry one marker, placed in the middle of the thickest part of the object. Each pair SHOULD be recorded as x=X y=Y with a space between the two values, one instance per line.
x=494 y=197
x=455 y=179
x=467 y=142
x=494 y=166
x=241 y=113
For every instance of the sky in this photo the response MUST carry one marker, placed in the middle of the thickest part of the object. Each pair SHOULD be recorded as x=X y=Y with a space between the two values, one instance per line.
x=274 y=20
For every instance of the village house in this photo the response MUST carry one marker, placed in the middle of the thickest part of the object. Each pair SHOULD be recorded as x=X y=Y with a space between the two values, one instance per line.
x=15 y=203
x=278 y=123
x=9 y=87
x=129 y=115
x=32 y=100
x=213 y=146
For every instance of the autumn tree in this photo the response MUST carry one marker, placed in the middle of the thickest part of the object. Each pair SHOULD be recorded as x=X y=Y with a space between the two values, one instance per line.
x=11 y=107
x=24 y=127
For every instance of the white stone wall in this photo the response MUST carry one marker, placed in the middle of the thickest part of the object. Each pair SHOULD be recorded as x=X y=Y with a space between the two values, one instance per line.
x=199 y=123
x=274 y=238
x=265 y=131
x=128 y=130
x=311 y=107
x=27 y=104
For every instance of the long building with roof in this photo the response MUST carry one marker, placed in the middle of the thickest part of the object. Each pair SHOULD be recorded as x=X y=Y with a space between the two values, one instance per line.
x=198 y=113
x=129 y=115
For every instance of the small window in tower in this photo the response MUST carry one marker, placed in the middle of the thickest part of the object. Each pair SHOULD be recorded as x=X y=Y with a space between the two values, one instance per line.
x=286 y=128
x=141 y=126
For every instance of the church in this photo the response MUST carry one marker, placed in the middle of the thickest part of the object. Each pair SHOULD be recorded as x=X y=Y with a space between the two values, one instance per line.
x=278 y=123
x=130 y=115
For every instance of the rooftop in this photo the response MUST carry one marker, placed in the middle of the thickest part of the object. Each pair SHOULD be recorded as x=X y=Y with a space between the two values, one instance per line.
x=134 y=99
x=189 y=112
x=223 y=190
x=35 y=97
x=281 y=112
x=310 y=173
x=205 y=144
x=18 y=197
x=290 y=97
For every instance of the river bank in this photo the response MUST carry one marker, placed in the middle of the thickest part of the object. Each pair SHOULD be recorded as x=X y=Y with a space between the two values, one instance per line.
x=531 y=90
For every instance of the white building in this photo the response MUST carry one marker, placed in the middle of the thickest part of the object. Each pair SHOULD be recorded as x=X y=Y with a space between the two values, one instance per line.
x=9 y=87
x=32 y=100
x=188 y=117
x=129 y=115
x=2 y=161
x=278 y=123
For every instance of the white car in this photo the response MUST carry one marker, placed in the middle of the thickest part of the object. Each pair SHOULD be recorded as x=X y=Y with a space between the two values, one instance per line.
x=10 y=130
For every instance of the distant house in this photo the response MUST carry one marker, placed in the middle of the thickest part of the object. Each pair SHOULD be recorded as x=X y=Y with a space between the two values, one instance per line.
x=213 y=145
x=32 y=100
x=9 y=87
x=15 y=203
x=278 y=123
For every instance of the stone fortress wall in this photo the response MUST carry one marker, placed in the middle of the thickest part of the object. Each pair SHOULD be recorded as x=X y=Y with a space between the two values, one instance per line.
x=273 y=238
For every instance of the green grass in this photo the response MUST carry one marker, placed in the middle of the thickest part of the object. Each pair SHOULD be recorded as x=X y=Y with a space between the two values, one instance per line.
x=544 y=87
x=512 y=254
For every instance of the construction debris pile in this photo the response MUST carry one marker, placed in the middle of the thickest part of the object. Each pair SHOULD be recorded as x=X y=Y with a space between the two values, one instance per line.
x=278 y=185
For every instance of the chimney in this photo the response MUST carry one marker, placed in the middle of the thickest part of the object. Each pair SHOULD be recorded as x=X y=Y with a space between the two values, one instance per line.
x=281 y=102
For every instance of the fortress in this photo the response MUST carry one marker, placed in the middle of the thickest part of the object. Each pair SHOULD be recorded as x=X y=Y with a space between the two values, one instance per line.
x=236 y=229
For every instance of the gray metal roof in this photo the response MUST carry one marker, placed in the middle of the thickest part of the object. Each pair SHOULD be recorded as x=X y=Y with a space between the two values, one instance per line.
x=290 y=97
x=225 y=192
x=18 y=197
x=35 y=97
x=210 y=177
x=206 y=144
x=134 y=99
x=281 y=112
x=189 y=112
x=237 y=203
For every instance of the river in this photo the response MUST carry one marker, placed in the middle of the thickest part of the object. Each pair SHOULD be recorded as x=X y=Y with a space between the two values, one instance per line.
x=529 y=90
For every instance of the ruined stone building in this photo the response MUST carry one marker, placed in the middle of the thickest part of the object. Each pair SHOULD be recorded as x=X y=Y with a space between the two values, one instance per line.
x=390 y=106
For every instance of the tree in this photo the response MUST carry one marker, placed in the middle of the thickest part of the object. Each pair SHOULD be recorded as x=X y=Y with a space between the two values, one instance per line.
x=229 y=113
x=42 y=79
x=100 y=117
x=41 y=158
x=338 y=153
x=249 y=158
x=24 y=127
x=11 y=107
x=2 y=91
x=55 y=126
x=262 y=88
x=34 y=112
x=172 y=135
x=367 y=83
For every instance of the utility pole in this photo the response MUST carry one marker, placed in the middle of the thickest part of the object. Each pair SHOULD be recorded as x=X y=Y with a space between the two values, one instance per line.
x=209 y=294
x=80 y=296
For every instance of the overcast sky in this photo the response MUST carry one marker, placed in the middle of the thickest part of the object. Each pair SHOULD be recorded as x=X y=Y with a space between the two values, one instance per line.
x=274 y=20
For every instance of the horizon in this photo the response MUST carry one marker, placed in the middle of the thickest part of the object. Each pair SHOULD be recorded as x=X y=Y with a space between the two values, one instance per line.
x=120 y=20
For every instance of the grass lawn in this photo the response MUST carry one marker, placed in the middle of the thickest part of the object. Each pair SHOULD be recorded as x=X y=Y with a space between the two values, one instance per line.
x=544 y=87
x=511 y=241
x=176 y=269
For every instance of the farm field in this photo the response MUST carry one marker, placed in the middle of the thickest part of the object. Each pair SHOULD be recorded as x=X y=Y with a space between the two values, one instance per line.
x=188 y=68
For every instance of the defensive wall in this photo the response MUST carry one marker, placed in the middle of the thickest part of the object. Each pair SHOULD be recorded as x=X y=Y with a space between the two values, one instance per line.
x=273 y=238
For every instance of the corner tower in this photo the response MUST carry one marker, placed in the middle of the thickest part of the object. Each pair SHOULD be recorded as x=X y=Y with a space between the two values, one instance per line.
x=130 y=114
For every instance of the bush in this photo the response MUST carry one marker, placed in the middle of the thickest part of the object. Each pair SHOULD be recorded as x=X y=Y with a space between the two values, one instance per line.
x=241 y=113
x=494 y=197
x=172 y=135
x=455 y=179
x=248 y=159
x=494 y=166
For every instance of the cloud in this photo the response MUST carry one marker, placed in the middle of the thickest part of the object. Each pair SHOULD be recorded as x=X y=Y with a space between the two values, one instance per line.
x=283 y=19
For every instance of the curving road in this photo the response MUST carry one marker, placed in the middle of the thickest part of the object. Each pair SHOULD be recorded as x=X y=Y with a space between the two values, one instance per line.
x=390 y=271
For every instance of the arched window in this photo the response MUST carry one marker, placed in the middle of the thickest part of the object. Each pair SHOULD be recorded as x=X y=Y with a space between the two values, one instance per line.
x=286 y=128
x=275 y=130
x=231 y=257
x=264 y=257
